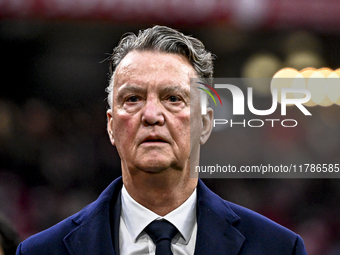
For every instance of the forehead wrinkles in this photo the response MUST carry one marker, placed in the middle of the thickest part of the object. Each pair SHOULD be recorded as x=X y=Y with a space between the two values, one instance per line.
x=153 y=68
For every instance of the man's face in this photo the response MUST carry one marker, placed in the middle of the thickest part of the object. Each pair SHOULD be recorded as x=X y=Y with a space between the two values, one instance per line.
x=149 y=122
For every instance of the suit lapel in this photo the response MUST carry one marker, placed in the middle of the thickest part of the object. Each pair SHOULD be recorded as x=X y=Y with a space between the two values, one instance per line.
x=93 y=234
x=215 y=220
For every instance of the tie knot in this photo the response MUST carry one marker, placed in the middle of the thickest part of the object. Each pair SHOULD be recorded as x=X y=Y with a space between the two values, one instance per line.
x=160 y=230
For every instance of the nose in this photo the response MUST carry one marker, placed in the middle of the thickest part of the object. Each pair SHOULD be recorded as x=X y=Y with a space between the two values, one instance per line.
x=153 y=113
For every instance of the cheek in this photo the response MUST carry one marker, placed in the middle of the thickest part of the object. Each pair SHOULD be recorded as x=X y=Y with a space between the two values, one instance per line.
x=124 y=127
x=182 y=128
x=195 y=127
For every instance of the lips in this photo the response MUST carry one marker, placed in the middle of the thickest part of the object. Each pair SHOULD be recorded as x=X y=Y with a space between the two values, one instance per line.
x=154 y=139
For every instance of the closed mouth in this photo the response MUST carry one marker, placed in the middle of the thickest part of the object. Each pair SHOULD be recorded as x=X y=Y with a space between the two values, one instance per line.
x=154 y=141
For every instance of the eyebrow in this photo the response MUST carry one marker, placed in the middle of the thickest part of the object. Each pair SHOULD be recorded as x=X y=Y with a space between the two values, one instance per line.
x=172 y=89
x=169 y=89
x=131 y=88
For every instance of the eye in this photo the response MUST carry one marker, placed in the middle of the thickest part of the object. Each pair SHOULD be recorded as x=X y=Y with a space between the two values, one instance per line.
x=174 y=99
x=132 y=99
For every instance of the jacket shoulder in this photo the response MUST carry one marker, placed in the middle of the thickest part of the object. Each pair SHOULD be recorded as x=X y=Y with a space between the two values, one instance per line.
x=262 y=232
x=261 y=235
x=49 y=241
x=251 y=219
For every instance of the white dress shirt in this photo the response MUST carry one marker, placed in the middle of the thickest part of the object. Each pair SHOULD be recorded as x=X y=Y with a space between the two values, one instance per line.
x=134 y=218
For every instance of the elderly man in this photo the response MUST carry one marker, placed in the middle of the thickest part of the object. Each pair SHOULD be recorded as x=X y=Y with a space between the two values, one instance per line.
x=156 y=207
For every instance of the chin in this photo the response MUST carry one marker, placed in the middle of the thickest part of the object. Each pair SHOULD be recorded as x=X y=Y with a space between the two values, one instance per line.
x=154 y=168
x=154 y=165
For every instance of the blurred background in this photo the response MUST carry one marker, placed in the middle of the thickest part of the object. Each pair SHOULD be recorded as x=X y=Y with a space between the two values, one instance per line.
x=55 y=155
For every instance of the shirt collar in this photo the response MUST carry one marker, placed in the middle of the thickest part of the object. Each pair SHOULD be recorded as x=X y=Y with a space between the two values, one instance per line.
x=137 y=217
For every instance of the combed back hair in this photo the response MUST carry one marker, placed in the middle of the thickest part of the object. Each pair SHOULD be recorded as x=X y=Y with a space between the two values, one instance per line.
x=163 y=39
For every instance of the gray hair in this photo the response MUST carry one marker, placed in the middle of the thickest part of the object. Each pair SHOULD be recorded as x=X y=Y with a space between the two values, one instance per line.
x=164 y=39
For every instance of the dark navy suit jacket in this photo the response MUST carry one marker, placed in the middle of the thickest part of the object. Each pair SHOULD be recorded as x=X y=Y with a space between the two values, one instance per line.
x=223 y=228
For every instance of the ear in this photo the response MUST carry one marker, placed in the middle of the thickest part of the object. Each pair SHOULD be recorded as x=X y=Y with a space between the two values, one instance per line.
x=109 y=126
x=207 y=123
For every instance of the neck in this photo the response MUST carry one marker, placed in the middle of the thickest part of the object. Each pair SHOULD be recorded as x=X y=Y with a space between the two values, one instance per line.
x=160 y=192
